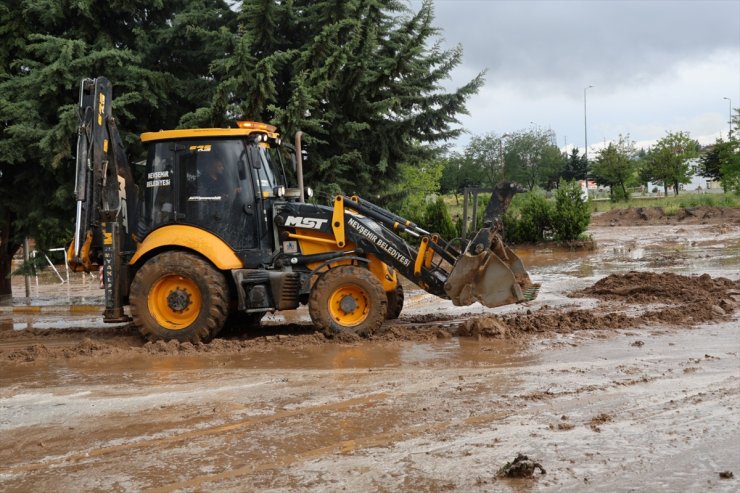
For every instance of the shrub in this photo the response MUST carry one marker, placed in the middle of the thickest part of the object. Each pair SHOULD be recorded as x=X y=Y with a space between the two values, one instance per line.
x=571 y=215
x=529 y=219
x=437 y=219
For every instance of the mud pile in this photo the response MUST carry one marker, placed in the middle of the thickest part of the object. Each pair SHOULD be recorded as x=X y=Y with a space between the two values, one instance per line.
x=637 y=216
x=631 y=300
x=663 y=298
x=649 y=287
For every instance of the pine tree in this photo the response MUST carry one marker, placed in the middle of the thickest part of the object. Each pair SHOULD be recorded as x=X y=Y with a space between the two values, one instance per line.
x=156 y=53
x=361 y=79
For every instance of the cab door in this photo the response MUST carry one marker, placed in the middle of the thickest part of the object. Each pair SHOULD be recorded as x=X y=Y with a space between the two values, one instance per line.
x=216 y=191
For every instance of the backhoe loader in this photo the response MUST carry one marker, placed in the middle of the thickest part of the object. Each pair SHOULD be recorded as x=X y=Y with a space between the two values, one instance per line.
x=217 y=227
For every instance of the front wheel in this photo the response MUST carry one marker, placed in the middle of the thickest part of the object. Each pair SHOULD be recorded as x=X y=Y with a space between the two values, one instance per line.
x=348 y=299
x=178 y=295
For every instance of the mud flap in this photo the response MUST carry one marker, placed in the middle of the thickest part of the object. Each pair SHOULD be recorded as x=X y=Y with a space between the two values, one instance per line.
x=488 y=278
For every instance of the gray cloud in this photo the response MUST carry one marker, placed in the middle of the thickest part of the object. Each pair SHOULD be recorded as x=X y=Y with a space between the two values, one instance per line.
x=657 y=65
x=538 y=43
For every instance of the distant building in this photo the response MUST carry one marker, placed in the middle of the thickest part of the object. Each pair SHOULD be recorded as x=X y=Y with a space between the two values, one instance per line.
x=698 y=183
x=586 y=189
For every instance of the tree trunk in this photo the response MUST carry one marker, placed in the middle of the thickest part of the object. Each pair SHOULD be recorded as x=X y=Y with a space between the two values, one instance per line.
x=7 y=249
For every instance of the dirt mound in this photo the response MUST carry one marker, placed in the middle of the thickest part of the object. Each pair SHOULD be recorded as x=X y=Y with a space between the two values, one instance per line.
x=651 y=287
x=637 y=216
x=681 y=301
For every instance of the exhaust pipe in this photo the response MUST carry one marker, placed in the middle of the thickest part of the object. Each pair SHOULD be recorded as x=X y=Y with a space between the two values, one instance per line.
x=299 y=164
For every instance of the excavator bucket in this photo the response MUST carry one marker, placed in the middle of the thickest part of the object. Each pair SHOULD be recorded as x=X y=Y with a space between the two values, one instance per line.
x=490 y=273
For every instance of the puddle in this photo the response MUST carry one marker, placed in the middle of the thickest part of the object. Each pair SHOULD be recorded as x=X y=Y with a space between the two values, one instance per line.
x=644 y=248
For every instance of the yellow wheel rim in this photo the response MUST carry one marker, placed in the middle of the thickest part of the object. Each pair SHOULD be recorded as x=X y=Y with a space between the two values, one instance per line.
x=349 y=305
x=174 y=302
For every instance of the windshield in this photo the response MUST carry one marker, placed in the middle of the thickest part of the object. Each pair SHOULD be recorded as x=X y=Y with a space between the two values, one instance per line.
x=268 y=176
x=269 y=168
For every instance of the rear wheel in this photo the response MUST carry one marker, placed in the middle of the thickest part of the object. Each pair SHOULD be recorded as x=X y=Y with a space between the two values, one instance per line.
x=178 y=295
x=395 y=302
x=348 y=299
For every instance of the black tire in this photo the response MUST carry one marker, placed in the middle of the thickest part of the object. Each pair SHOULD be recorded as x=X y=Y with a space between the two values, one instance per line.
x=395 y=302
x=180 y=296
x=348 y=299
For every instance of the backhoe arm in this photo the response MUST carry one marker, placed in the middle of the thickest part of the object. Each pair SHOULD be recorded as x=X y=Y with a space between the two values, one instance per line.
x=104 y=186
x=105 y=194
x=483 y=270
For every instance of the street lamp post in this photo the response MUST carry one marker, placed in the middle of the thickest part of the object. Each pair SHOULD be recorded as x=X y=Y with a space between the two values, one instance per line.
x=729 y=113
x=585 y=133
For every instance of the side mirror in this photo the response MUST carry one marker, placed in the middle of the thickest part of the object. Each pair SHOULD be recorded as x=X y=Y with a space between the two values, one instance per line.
x=254 y=158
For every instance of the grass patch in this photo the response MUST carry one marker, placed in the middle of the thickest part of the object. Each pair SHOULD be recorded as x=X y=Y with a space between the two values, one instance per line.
x=671 y=205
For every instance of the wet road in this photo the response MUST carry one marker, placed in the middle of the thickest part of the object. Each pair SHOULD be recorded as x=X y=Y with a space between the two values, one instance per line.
x=643 y=409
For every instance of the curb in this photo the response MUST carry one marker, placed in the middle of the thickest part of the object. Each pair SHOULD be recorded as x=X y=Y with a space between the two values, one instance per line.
x=35 y=309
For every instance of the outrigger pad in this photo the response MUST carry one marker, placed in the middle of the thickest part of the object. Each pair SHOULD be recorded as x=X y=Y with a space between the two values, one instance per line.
x=489 y=279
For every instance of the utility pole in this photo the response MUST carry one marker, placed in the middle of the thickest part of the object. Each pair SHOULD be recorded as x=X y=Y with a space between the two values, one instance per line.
x=585 y=132
x=585 y=123
x=729 y=103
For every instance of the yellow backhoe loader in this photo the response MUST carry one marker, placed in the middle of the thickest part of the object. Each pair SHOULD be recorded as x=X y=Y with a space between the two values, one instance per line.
x=213 y=230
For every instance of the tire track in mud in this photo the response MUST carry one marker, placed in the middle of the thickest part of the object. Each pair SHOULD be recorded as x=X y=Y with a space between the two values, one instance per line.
x=342 y=447
x=76 y=457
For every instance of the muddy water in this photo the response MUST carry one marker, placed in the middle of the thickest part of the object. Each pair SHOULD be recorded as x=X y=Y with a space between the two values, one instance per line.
x=647 y=408
x=687 y=250
x=599 y=414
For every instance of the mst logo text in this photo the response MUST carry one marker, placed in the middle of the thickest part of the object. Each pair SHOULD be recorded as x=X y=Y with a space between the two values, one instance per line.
x=305 y=222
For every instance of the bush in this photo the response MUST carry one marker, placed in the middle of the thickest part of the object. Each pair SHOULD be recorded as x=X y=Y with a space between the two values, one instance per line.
x=571 y=214
x=533 y=218
x=529 y=219
x=437 y=219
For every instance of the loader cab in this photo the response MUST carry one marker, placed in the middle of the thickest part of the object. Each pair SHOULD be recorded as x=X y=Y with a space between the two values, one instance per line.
x=223 y=181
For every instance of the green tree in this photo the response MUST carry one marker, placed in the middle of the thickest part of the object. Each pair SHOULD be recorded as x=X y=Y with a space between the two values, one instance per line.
x=529 y=219
x=713 y=157
x=531 y=158
x=157 y=55
x=460 y=172
x=486 y=154
x=571 y=214
x=437 y=219
x=615 y=166
x=409 y=196
x=721 y=162
x=363 y=80
x=575 y=166
x=667 y=161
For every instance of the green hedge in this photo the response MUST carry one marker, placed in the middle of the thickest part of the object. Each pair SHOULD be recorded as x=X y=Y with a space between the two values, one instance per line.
x=533 y=217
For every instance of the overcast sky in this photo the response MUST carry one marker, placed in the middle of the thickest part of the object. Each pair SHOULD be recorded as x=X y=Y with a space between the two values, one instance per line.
x=656 y=66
